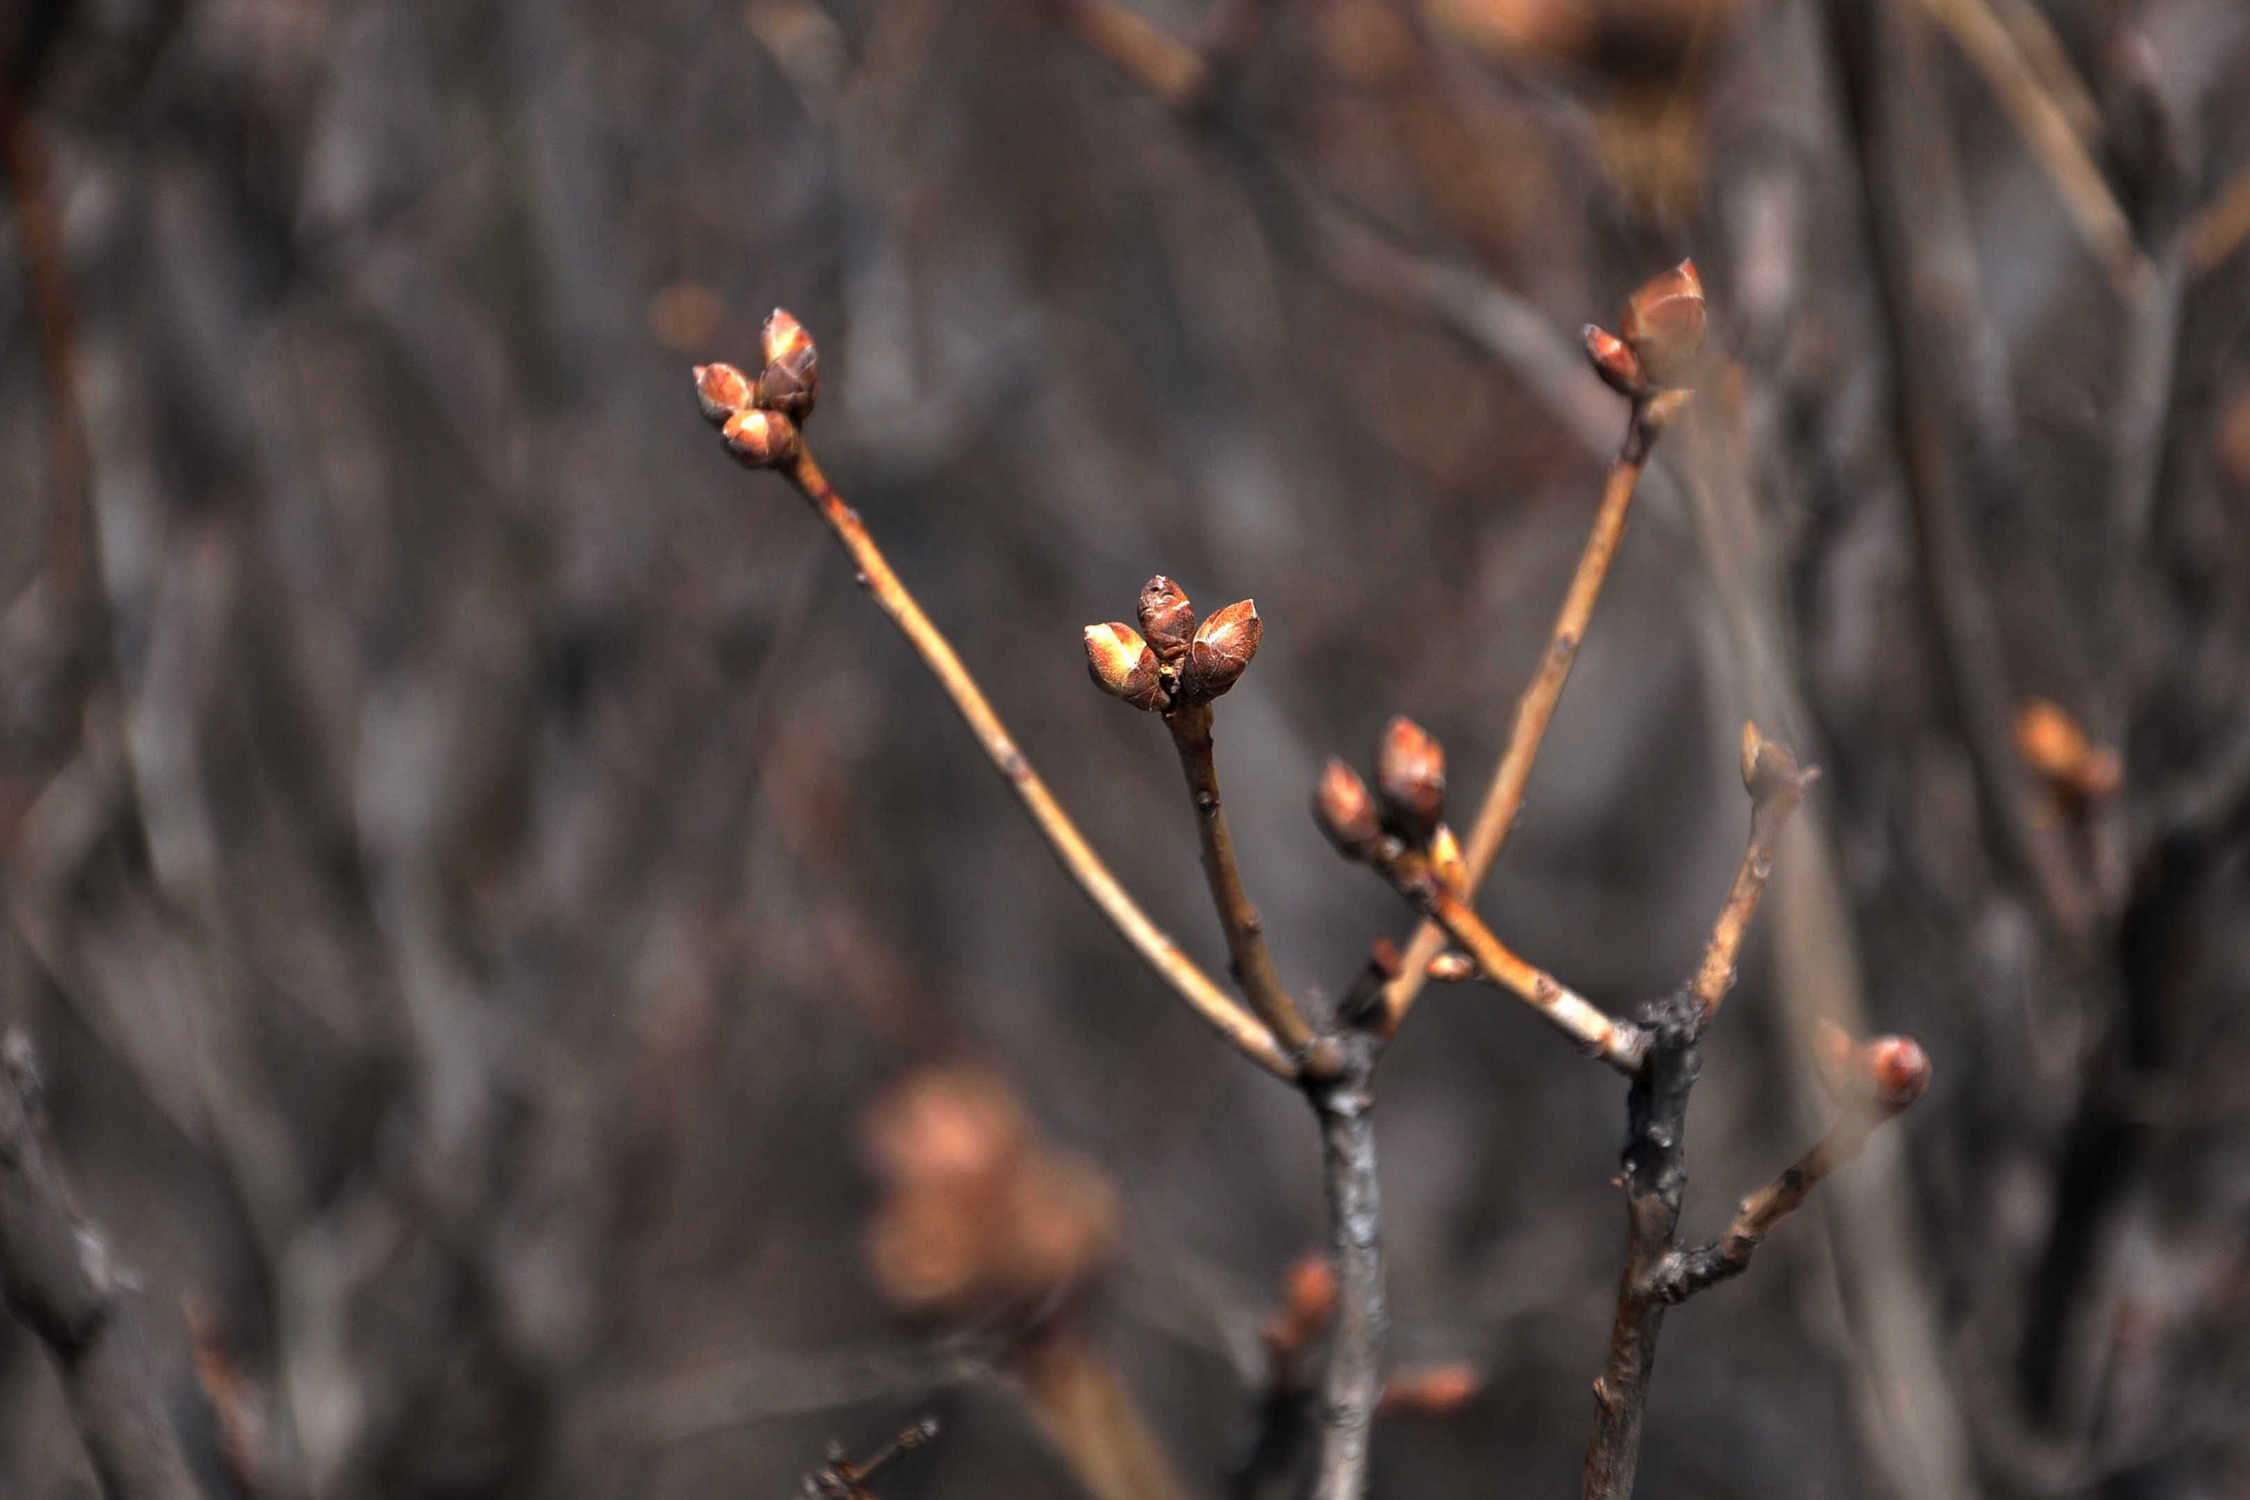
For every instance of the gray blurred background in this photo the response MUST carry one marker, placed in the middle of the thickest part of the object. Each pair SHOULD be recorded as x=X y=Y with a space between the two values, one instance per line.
x=477 y=867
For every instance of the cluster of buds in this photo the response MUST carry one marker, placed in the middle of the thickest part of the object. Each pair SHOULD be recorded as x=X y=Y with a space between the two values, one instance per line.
x=1659 y=339
x=1406 y=811
x=759 y=418
x=1171 y=661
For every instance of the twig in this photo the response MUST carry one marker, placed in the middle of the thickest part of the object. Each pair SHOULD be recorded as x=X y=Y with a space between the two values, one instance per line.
x=1086 y=1410
x=1156 y=949
x=1618 y=1043
x=2046 y=129
x=841 y=1479
x=1252 y=964
x=1536 y=709
x=1729 y=1256
x=1777 y=784
x=57 y=1280
x=1353 y=1386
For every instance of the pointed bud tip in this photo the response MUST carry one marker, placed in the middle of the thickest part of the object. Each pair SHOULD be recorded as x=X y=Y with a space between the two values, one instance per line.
x=1122 y=665
x=721 y=390
x=1613 y=361
x=1221 y=649
x=1664 y=324
x=760 y=439
x=1410 y=781
x=1345 y=811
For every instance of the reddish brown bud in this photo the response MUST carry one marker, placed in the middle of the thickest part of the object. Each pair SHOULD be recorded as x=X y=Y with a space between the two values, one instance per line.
x=1663 y=325
x=790 y=382
x=760 y=439
x=1220 y=651
x=1613 y=360
x=1410 y=780
x=721 y=391
x=1345 y=812
x=1436 y=1392
x=1166 y=618
x=1384 y=955
x=1899 y=1070
x=1121 y=665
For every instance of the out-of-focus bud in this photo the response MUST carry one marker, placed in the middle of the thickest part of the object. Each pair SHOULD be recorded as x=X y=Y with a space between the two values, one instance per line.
x=1613 y=360
x=1446 y=863
x=1768 y=767
x=1345 y=812
x=1384 y=955
x=1898 y=1069
x=1410 y=780
x=1452 y=966
x=721 y=391
x=2054 y=746
x=1122 y=665
x=1166 y=618
x=1434 y=1393
x=1220 y=650
x=1663 y=325
x=760 y=439
x=790 y=382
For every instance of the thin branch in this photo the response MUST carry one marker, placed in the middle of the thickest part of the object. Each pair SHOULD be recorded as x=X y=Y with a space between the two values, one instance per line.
x=1776 y=785
x=2046 y=129
x=1695 y=1270
x=57 y=1280
x=1250 y=961
x=1161 y=954
x=1536 y=709
x=1618 y=1043
x=1353 y=1387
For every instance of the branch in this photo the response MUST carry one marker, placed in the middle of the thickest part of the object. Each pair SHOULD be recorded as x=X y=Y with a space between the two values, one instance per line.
x=1353 y=1387
x=767 y=437
x=57 y=1280
x=1776 y=785
x=1250 y=961
x=1536 y=708
x=2045 y=127
x=1893 y=1072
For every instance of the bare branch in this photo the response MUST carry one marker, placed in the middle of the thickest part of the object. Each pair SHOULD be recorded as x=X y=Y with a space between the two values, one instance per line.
x=1776 y=785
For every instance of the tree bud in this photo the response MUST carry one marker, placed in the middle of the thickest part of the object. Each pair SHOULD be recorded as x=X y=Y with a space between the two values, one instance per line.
x=1166 y=618
x=1410 y=780
x=1768 y=767
x=1899 y=1070
x=790 y=382
x=1345 y=812
x=1220 y=651
x=1613 y=360
x=1121 y=664
x=760 y=439
x=1663 y=325
x=721 y=391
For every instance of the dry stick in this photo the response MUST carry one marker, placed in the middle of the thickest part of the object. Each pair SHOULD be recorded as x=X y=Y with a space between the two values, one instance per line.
x=1537 y=706
x=1618 y=1043
x=2046 y=129
x=1078 y=857
x=57 y=1280
x=1655 y=1162
x=1252 y=964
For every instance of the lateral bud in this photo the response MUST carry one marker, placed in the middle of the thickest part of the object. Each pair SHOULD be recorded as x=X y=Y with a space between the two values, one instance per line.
x=760 y=439
x=1122 y=665
x=790 y=382
x=1220 y=650
x=1769 y=769
x=1898 y=1069
x=1410 y=782
x=1167 y=619
x=1663 y=325
x=721 y=391
x=1613 y=360
x=1345 y=811
x=1446 y=863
